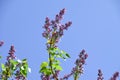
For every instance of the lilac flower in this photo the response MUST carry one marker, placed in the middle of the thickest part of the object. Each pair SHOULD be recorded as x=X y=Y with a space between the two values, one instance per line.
x=78 y=69
x=100 y=75
x=1 y=43
x=11 y=53
x=45 y=77
x=54 y=29
x=67 y=25
x=115 y=76
x=19 y=76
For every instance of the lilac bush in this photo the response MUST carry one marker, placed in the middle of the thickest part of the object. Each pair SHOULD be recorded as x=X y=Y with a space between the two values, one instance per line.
x=13 y=68
x=16 y=69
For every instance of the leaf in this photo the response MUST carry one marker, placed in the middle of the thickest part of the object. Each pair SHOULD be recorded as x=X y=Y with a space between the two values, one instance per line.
x=0 y=57
x=8 y=73
x=14 y=67
x=24 y=61
x=42 y=70
x=44 y=64
x=25 y=66
x=58 y=67
x=13 y=62
x=57 y=55
x=47 y=72
x=62 y=52
x=23 y=72
x=67 y=55
x=3 y=67
x=64 y=55
x=52 y=51
x=24 y=69
x=52 y=59
x=57 y=62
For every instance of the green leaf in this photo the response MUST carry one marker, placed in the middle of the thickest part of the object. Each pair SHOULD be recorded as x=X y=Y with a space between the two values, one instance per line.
x=58 y=67
x=64 y=55
x=0 y=57
x=47 y=71
x=62 y=52
x=14 y=67
x=8 y=73
x=67 y=55
x=13 y=62
x=3 y=67
x=42 y=70
x=57 y=62
x=24 y=61
x=52 y=51
x=52 y=59
x=44 y=64
x=23 y=72
x=25 y=66
x=58 y=56
x=24 y=69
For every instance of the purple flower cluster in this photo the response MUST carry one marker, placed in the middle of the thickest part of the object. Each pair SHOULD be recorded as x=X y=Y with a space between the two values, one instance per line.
x=1 y=43
x=8 y=65
x=100 y=75
x=66 y=76
x=11 y=53
x=115 y=76
x=46 y=77
x=80 y=62
x=54 y=29
x=19 y=76
x=78 y=69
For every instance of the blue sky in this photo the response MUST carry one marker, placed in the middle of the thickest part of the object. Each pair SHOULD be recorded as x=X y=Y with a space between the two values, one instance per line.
x=95 y=28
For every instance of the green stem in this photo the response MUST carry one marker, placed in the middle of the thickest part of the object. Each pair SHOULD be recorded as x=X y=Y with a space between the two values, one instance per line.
x=76 y=77
x=76 y=74
x=52 y=70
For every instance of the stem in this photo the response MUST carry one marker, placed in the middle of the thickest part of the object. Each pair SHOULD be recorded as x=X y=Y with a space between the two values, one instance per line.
x=52 y=70
x=76 y=74
x=76 y=77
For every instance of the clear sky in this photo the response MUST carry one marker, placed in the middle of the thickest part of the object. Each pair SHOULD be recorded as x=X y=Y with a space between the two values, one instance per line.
x=95 y=28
